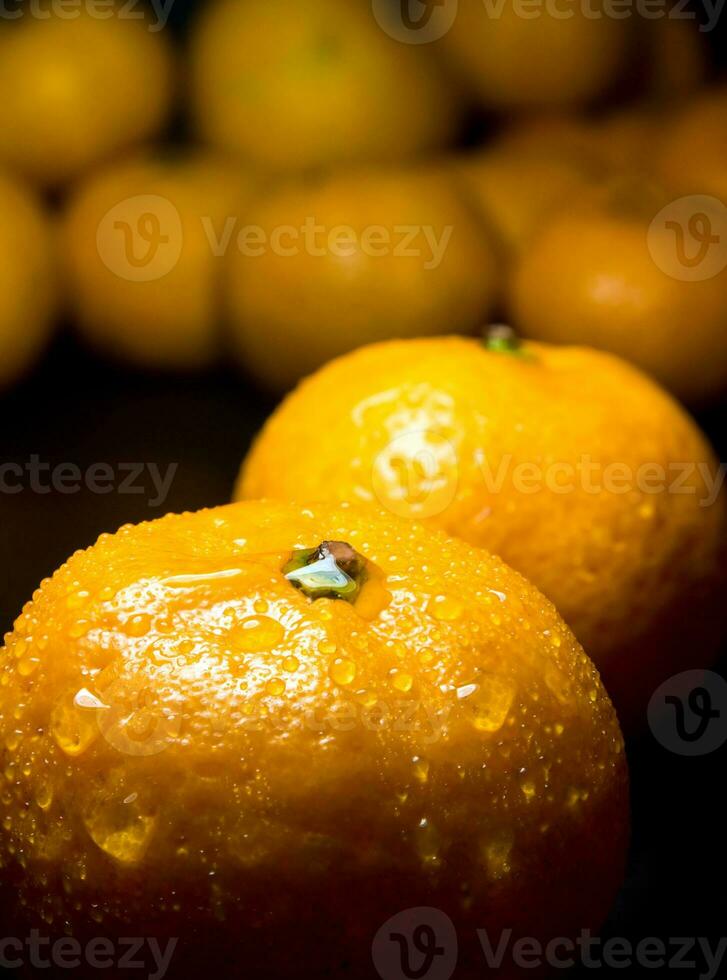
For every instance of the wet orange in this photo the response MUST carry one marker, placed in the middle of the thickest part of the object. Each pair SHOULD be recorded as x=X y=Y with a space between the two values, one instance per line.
x=194 y=747
x=28 y=279
x=143 y=245
x=328 y=265
x=78 y=87
x=296 y=86
x=573 y=466
x=622 y=271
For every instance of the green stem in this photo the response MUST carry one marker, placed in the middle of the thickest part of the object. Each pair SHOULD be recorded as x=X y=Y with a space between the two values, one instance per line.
x=333 y=570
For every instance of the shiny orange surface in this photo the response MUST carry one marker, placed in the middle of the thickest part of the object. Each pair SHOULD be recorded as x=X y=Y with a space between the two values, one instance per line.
x=546 y=457
x=191 y=744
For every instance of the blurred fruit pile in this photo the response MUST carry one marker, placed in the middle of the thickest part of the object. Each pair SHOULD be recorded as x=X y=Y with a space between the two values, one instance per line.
x=339 y=184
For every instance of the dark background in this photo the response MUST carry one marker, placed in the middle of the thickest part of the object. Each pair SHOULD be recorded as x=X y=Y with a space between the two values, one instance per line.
x=78 y=409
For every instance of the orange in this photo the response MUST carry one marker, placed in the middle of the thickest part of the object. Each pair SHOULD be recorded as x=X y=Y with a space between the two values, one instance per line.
x=547 y=59
x=327 y=266
x=292 y=86
x=691 y=157
x=515 y=191
x=78 y=88
x=28 y=279
x=619 y=141
x=143 y=244
x=623 y=272
x=268 y=767
x=565 y=461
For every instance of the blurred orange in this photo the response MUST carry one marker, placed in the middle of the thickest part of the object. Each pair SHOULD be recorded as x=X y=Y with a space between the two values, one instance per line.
x=291 y=86
x=620 y=141
x=619 y=271
x=28 y=279
x=77 y=90
x=515 y=190
x=510 y=61
x=142 y=243
x=693 y=157
x=351 y=259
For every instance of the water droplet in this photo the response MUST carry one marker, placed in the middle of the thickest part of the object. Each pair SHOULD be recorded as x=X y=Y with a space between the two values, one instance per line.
x=27 y=666
x=44 y=796
x=427 y=843
x=573 y=797
x=275 y=687
x=528 y=789
x=491 y=703
x=402 y=681
x=327 y=647
x=122 y=830
x=342 y=671
x=445 y=608
x=291 y=664
x=421 y=769
x=73 y=729
x=496 y=853
x=256 y=634
x=76 y=599
x=138 y=625
x=558 y=684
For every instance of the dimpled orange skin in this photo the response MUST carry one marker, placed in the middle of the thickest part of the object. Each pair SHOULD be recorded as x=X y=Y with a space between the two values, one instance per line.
x=254 y=805
x=369 y=273
x=439 y=429
x=590 y=277
x=170 y=318
x=293 y=87
x=78 y=89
